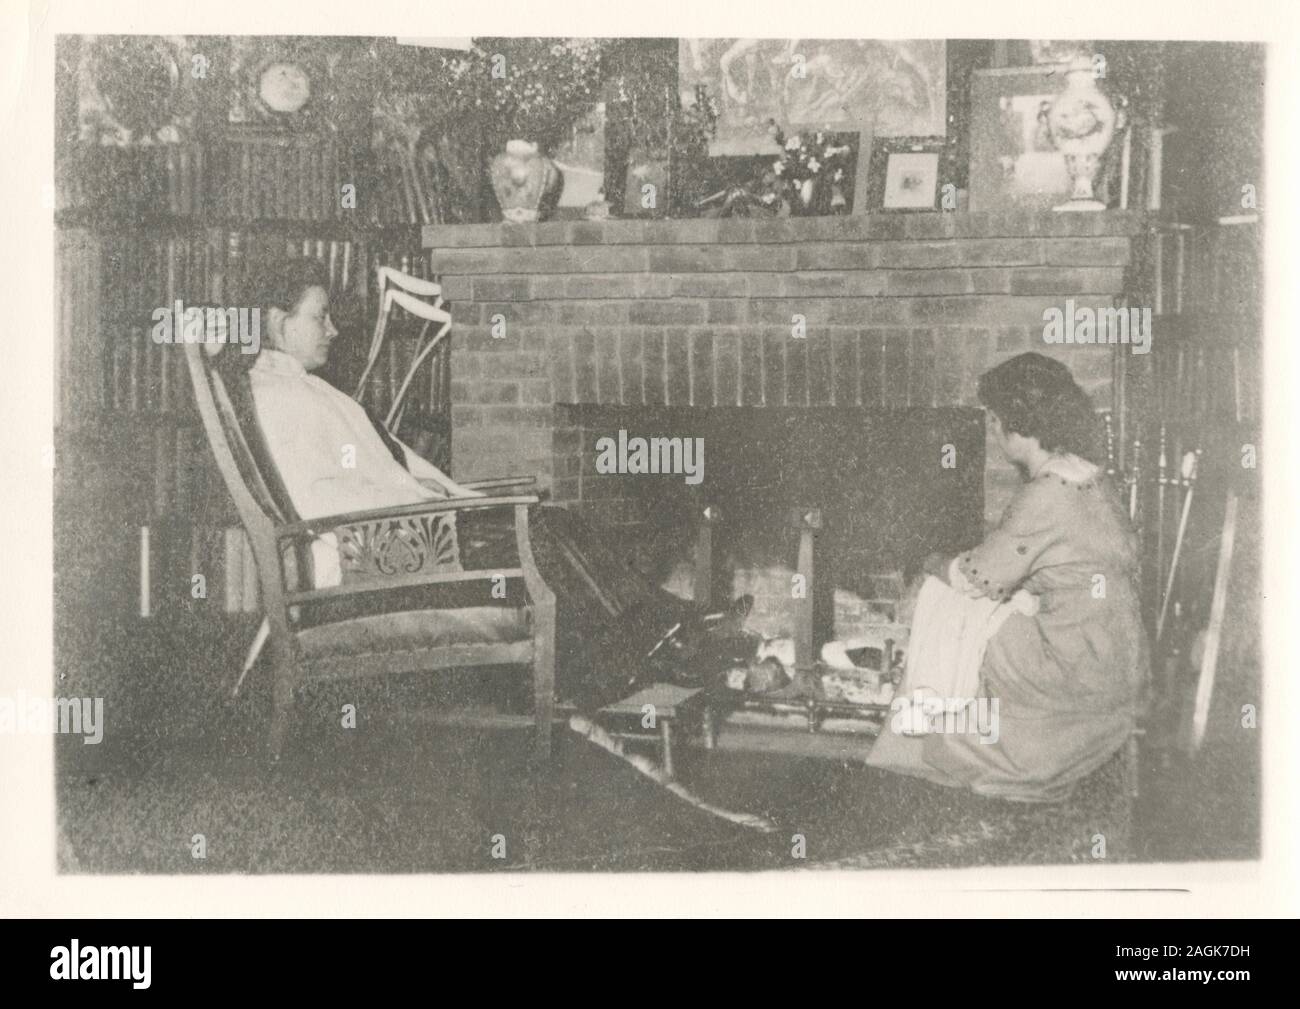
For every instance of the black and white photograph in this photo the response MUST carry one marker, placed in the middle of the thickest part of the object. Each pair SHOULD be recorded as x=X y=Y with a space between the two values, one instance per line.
x=537 y=454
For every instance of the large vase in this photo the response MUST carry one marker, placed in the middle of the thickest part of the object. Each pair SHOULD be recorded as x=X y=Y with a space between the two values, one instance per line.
x=526 y=182
x=1081 y=123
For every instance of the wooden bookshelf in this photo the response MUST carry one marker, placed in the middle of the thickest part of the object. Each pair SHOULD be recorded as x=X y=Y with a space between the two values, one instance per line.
x=140 y=228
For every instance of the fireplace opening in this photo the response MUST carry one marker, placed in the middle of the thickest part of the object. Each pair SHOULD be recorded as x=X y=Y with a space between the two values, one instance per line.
x=892 y=485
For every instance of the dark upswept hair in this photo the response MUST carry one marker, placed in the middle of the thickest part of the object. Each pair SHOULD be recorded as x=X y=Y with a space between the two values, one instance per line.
x=283 y=286
x=1037 y=397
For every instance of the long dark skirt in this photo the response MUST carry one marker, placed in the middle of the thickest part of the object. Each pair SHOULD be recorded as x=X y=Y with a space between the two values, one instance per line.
x=609 y=616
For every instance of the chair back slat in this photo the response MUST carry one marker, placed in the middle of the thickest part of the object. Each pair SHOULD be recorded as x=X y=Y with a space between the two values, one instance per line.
x=233 y=434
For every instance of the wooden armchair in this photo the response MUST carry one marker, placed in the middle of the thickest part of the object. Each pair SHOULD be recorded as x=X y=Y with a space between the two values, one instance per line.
x=372 y=623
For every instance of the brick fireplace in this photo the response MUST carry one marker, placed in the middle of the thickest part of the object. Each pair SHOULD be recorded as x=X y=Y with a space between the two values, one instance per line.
x=870 y=313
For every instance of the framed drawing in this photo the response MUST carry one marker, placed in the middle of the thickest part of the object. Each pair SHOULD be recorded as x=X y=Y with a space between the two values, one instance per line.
x=906 y=173
x=911 y=181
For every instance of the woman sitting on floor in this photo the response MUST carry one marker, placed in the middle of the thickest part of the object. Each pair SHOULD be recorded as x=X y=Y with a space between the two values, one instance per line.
x=1065 y=683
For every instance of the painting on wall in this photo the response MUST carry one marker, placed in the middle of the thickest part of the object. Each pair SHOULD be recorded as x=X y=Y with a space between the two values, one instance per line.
x=1014 y=163
x=899 y=85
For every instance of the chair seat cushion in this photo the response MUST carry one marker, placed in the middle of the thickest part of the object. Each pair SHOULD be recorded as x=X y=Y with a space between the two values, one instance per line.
x=409 y=630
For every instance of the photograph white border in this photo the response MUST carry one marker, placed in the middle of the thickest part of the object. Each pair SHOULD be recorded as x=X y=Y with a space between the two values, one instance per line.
x=29 y=884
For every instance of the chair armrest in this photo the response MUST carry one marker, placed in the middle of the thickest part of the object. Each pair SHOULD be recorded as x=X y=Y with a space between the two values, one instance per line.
x=328 y=523
x=499 y=481
x=414 y=544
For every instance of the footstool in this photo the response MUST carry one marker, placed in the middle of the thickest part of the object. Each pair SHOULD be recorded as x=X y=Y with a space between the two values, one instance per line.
x=671 y=705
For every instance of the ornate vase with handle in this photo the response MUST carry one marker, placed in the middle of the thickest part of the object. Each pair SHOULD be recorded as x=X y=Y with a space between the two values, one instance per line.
x=1082 y=122
x=527 y=184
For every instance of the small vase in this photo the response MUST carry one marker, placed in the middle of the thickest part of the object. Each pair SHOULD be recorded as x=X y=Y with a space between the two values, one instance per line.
x=813 y=198
x=1081 y=122
x=527 y=183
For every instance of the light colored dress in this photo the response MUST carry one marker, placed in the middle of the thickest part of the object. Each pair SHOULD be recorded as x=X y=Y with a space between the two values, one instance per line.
x=1070 y=680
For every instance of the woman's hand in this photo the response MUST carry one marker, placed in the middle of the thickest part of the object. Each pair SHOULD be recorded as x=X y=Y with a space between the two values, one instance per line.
x=447 y=488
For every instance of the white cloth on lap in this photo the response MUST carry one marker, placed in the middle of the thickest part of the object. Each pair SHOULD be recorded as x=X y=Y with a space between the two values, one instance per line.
x=950 y=631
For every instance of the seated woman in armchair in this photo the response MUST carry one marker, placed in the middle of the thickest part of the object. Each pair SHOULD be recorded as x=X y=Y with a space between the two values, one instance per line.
x=1068 y=679
x=334 y=457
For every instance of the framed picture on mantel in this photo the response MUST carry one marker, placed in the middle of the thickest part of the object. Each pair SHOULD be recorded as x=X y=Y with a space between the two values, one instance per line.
x=1014 y=164
x=906 y=173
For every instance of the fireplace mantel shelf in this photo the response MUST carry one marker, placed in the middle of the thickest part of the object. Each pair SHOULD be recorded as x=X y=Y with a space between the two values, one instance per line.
x=869 y=227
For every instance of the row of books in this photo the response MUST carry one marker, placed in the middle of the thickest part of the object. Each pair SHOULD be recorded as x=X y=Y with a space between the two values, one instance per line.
x=289 y=178
x=142 y=271
x=143 y=376
x=169 y=556
x=111 y=283
x=122 y=391
x=239 y=178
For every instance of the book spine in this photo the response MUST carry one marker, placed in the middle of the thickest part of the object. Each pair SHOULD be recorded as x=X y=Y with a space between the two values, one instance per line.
x=186 y=187
x=200 y=183
x=173 y=182
x=279 y=174
x=261 y=182
x=162 y=472
x=146 y=573
x=291 y=153
x=336 y=181
x=136 y=372
x=243 y=196
x=317 y=185
x=117 y=375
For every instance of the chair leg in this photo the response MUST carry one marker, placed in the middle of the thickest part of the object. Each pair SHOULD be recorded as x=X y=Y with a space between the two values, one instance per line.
x=544 y=677
x=282 y=708
x=254 y=650
x=1133 y=765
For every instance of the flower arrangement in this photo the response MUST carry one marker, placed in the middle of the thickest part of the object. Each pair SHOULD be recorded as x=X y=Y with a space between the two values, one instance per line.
x=810 y=173
x=523 y=88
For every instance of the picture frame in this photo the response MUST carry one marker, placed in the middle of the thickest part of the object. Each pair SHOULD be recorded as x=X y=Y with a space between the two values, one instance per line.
x=862 y=167
x=1014 y=165
x=906 y=174
x=280 y=84
x=581 y=158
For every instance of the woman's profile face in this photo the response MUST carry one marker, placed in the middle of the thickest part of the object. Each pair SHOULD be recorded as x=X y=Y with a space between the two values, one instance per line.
x=306 y=332
x=1016 y=448
x=999 y=435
